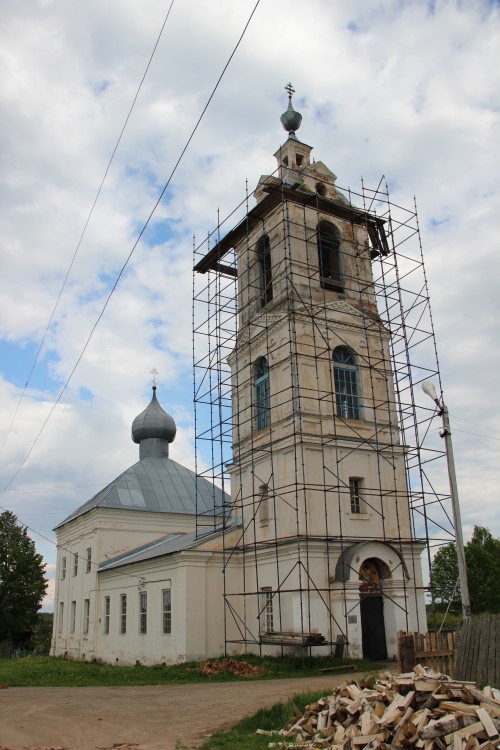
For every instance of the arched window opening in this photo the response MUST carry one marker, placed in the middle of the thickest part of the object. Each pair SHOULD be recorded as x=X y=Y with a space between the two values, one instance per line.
x=330 y=271
x=345 y=373
x=265 y=271
x=320 y=189
x=261 y=387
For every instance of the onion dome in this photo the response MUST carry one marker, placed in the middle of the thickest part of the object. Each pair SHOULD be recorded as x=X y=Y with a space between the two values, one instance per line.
x=291 y=119
x=153 y=422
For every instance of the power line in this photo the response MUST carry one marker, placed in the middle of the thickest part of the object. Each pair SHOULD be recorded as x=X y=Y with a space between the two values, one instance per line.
x=83 y=233
x=476 y=424
x=54 y=405
x=26 y=490
x=476 y=434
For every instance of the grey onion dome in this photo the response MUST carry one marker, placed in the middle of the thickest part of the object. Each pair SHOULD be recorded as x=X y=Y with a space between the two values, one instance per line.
x=153 y=422
x=290 y=119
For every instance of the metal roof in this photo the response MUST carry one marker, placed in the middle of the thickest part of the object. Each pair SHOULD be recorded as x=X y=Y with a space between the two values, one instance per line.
x=166 y=545
x=158 y=485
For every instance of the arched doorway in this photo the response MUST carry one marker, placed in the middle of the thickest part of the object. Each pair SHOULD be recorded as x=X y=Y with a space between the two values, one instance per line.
x=372 y=574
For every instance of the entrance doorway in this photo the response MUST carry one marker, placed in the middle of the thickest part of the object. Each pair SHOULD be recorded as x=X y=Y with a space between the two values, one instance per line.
x=372 y=574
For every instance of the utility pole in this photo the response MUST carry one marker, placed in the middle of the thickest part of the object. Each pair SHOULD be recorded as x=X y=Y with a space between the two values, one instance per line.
x=428 y=388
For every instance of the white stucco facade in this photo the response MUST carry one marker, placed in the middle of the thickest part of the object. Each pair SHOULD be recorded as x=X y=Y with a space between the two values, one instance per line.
x=317 y=535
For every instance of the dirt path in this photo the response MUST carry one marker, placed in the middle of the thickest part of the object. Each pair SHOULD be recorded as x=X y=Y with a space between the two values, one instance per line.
x=151 y=718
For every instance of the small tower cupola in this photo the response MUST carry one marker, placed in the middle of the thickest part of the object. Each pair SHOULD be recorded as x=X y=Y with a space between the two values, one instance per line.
x=291 y=119
x=293 y=156
x=153 y=430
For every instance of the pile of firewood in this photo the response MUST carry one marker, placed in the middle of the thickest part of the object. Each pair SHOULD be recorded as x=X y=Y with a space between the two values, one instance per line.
x=422 y=709
x=235 y=666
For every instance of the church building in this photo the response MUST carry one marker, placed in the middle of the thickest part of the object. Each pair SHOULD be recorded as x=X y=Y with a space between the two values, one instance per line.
x=313 y=546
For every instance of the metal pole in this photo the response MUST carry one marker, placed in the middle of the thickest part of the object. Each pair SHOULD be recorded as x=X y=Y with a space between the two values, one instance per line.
x=457 y=522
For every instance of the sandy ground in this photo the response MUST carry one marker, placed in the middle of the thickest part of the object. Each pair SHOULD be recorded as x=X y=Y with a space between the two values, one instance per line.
x=164 y=717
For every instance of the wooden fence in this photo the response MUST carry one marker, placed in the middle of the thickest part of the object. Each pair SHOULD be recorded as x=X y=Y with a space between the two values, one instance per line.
x=478 y=651
x=434 y=650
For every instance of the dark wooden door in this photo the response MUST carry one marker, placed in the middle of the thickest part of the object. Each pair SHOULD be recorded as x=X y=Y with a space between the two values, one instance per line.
x=373 y=627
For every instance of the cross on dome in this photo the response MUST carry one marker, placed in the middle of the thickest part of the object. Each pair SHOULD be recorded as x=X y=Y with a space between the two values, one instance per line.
x=290 y=119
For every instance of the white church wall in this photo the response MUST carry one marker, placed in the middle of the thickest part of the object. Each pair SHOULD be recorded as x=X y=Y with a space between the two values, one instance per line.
x=106 y=532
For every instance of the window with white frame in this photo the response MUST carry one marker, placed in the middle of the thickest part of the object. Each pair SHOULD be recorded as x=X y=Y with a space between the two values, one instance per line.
x=88 y=560
x=73 y=616
x=63 y=568
x=262 y=394
x=345 y=372
x=86 y=615
x=123 y=614
x=166 y=595
x=75 y=564
x=356 y=501
x=61 y=617
x=107 y=613
x=266 y=610
x=143 y=612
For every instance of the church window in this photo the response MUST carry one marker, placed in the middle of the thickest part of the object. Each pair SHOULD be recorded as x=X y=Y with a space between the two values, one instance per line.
x=123 y=613
x=265 y=271
x=167 y=611
x=73 y=616
x=299 y=158
x=143 y=612
x=346 y=383
x=320 y=189
x=61 y=617
x=261 y=385
x=88 y=560
x=75 y=564
x=63 y=568
x=330 y=272
x=266 y=609
x=355 y=495
x=86 y=615
x=107 y=613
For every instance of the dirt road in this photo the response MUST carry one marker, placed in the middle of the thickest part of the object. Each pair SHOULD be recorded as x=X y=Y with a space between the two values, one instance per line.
x=150 y=718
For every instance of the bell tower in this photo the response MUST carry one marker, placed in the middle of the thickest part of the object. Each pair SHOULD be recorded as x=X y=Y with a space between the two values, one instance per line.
x=318 y=477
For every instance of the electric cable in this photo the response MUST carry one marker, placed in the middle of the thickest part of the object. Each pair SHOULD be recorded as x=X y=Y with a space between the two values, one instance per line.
x=83 y=233
x=63 y=389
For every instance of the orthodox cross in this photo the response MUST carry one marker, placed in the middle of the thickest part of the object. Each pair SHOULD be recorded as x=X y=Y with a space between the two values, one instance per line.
x=154 y=373
x=290 y=89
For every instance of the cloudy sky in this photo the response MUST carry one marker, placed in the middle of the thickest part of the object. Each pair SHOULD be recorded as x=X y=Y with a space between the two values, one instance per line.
x=409 y=90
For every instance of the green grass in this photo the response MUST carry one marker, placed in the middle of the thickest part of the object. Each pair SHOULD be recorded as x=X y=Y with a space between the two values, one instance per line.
x=242 y=735
x=36 y=671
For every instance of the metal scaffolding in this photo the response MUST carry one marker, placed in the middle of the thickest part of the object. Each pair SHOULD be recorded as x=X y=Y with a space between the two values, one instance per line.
x=393 y=323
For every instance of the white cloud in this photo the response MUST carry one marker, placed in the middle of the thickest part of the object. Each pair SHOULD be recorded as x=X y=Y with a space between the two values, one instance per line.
x=405 y=89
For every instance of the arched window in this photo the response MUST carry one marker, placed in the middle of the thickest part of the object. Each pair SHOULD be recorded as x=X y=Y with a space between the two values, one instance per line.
x=330 y=271
x=345 y=374
x=261 y=387
x=265 y=271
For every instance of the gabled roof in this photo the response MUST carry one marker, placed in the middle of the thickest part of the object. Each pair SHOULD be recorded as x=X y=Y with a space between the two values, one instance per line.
x=166 y=545
x=158 y=485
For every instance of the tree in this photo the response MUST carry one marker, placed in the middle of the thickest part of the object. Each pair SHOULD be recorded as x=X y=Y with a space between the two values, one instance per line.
x=482 y=560
x=22 y=580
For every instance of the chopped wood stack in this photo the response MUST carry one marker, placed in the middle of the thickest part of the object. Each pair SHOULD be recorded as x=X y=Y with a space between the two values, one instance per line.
x=235 y=666
x=421 y=709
